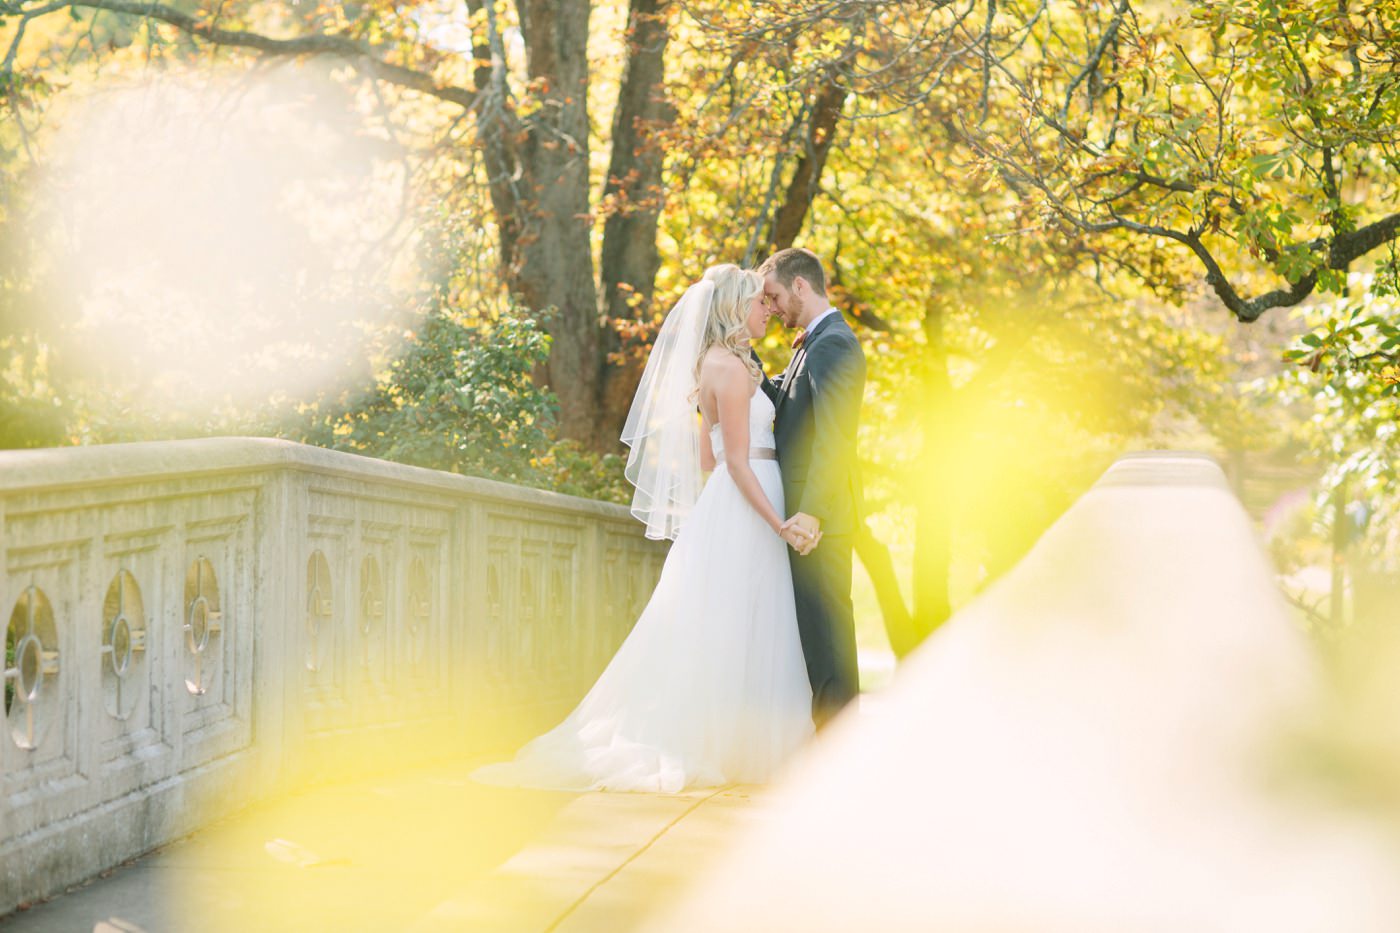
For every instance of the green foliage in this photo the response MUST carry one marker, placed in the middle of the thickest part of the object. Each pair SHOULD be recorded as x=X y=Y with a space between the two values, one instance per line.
x=953 y=207
x=569 y=468
x=1245 y=142
x=1346 y=380
x=1010 y=362
x=31 y=412
x=461 y=398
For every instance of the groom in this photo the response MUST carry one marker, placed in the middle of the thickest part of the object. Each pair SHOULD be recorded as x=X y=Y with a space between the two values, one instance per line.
x=818 y=409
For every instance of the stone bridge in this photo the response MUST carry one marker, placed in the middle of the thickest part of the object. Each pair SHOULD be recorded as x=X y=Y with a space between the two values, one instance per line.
x=197 y=625
x=1127 y=733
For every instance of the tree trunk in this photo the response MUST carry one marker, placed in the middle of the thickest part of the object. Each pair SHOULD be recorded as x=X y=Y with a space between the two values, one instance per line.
x=899 y=625
x=633 y=196
x=555 y=267
x=900 y=628
x=806 y=178
x=933 y=523
x=496 y=129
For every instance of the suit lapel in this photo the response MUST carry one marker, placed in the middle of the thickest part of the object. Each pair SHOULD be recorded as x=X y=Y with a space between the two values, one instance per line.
x=800 y=359
x=790 y=377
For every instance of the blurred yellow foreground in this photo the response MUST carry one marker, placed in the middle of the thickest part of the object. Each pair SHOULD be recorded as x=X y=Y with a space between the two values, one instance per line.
x=428 y=850
x=1126 y=734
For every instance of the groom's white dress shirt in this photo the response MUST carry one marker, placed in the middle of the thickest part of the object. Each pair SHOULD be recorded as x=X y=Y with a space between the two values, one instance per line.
x=799 y=358
x=819 y=318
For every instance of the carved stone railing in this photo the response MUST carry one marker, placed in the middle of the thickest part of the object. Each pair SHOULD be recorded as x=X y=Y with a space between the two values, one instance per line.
x=196 y=624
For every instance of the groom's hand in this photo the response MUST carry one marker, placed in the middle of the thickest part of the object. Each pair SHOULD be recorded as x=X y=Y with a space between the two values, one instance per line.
x=799 y=540
x=794 y=536
x=810 y=528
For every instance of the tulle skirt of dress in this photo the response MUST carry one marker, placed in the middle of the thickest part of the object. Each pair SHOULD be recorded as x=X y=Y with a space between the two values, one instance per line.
x=710 y=687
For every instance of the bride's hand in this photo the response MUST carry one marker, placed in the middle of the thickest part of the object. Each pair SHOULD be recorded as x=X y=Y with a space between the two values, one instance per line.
x=799 y=539
x=809 y=531
x=794 y=536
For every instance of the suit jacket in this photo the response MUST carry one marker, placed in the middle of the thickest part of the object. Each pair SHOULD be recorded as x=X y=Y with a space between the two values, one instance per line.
x=818 y=411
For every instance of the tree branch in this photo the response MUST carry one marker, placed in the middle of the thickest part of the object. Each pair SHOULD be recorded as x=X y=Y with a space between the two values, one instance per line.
x=1347 y=247
x=496 y=130
x=1095 y=57
x=357 y=54
x=806 y=177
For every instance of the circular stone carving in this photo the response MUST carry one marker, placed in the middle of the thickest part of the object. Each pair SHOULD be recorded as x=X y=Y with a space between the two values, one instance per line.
x=420 y=610
x=27 y=660
x=371 y=595
x=529 y=598
x=123 y=640
x=31 y=668
x=560 y=648
x=121 y=647
x=197 y=630
x=319 y=610
x=559 y=592
x=202 y=625
x=495 y=594
x=420 y=604
x=371 y=620
x=494 y=635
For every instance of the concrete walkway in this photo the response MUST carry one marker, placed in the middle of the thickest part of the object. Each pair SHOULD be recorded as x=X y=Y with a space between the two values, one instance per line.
x=428 y=851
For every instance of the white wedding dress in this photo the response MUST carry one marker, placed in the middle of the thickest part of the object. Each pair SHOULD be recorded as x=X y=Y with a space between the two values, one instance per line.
x=710 y=687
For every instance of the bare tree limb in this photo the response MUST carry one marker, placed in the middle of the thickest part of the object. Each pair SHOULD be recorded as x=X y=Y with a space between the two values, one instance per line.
x=1095 y=57
x=357 y=54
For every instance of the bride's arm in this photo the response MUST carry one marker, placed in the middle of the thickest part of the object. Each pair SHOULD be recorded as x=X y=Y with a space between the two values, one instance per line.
x=733 y=390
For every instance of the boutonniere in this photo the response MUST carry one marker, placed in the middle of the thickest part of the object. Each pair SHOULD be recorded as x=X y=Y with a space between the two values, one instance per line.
x=799 y=340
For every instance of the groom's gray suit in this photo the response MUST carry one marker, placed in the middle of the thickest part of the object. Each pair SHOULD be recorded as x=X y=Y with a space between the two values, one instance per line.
x=818 y=410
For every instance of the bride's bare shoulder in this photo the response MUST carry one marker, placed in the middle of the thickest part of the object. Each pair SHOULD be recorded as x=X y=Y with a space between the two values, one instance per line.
x=721 y=366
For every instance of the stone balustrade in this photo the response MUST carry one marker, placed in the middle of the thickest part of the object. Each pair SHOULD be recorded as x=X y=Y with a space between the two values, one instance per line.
x=1115 y=737
x=197 y=624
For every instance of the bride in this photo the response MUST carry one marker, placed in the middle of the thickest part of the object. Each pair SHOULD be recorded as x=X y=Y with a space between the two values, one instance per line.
x=710 y=687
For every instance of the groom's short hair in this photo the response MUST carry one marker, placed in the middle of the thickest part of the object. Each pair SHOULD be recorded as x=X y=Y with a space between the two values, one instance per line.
x=788 y=264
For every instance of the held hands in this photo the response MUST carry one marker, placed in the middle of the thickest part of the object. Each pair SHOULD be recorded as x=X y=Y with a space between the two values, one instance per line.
x=803 y=532
x=794 y=537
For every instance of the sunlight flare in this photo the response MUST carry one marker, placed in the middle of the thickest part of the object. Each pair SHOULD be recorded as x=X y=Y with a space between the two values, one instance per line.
x=217 y=239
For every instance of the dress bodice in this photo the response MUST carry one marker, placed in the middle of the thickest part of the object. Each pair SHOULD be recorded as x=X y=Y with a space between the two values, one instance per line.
x=761 y=414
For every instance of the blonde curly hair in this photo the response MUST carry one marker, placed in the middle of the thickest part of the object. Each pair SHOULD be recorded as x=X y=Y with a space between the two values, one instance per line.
x=726 y=325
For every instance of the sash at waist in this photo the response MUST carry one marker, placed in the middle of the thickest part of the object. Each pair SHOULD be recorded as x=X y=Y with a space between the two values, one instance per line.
x=755 y=453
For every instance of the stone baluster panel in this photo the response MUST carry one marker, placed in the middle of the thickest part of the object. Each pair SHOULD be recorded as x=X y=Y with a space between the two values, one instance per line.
x=193 y=625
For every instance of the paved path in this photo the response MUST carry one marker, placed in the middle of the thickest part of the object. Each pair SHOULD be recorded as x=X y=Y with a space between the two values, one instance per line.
x=430 y=851
x=604 y=864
